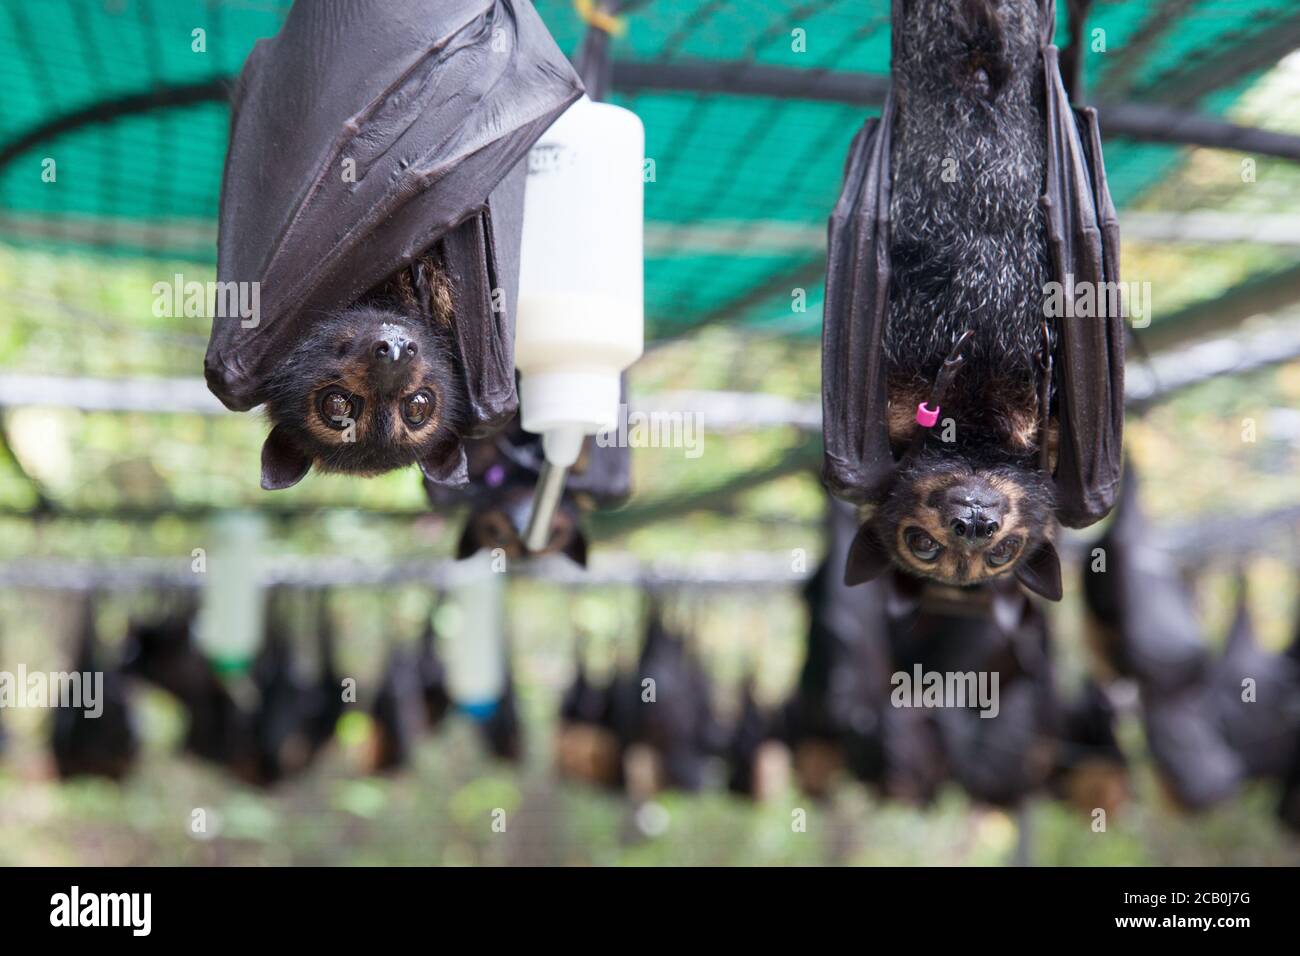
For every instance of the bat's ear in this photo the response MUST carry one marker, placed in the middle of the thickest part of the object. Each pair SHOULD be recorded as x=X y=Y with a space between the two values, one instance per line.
x=868 y=558
x=447 y=466
x=576 y=549
x=1040 y=572
x=284 y=464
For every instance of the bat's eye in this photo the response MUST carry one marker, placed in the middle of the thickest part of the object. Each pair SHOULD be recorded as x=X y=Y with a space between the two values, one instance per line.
x=418 y=409
x=338 y=408
x=1003 y=553
x=924 y=547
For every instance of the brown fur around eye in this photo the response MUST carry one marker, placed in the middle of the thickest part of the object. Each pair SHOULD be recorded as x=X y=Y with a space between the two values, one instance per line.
x=941 y=494
x=950 y=566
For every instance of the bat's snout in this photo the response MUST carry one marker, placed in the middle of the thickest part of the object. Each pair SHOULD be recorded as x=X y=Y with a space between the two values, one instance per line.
x=392 y=354
x=973 y=515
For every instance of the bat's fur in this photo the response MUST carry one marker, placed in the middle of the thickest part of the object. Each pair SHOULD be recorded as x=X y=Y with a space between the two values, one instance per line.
x=340 y=354
x=969 y=251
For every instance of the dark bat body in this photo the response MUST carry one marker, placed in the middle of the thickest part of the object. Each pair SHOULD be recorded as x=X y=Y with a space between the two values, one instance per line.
x=104 y=745
x=587 y=745
x=1090 y=770
x=956 y=406
x=373 y=195
x=666 y=741
x=218 y=730
x=503 y=730
x=1142 y=621
x=397 y=715
x=758 y=761
x=1257 y=699
x=840 y=716
x=503 y=472
x=433 y=678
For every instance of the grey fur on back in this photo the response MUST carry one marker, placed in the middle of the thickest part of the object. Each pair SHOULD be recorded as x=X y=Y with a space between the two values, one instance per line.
x=970 y=252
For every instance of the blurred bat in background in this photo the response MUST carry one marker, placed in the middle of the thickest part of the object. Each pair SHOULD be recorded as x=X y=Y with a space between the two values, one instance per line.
x=503 y=473
x=106 y=744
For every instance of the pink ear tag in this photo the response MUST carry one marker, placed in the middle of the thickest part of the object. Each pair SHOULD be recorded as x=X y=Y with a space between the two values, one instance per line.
x=925 y=417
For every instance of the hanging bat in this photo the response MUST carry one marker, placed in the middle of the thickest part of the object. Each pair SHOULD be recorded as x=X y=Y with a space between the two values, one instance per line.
x=1257 y=697
x=997 y=756
x=977 y=187
x=758 y=762
x=667 y=741
x=587 y=748
x=397 y=715
x=1141 y=619
x=1196 y=766
x=503 y=471
x=433 y=677
x=840 y=714
x=218 y=730
x=503 y=729
x=106 y=744
x=373 y=196
x=1089 y=770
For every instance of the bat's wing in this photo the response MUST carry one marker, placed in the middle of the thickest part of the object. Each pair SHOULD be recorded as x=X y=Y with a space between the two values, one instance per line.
x=363 y=133
x=1083 y=235
x=1194 y=761
x=858 y=464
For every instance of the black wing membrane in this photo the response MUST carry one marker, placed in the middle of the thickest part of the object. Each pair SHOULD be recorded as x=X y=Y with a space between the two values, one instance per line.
x=363 y=133
x=858 y=464
x=1083 y=237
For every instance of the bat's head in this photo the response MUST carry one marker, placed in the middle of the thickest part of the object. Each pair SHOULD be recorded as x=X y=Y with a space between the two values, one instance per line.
x=500 y=520
x=962 y=524
x=369 y=390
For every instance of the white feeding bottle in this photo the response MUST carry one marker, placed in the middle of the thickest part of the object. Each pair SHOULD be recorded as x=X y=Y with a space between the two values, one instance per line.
x=580 y=321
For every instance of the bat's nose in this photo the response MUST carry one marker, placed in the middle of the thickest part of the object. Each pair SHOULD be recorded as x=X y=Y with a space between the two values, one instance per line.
x=974 y=527
x=392 y=353
x=395 y=347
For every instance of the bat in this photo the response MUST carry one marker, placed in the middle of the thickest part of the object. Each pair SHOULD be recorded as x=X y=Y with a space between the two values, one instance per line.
x=1141 y=620
x=758 y=762
x=666 y=744
x=1196 y=766
x=840 y=716
x=293 y=719
x=433 y=677
x=1257 y=697
x=372 y=196
x=999 y=757
x=397 y=715
x=502 y=730
x=324 y=701
x=105 y=745
x=977 y=187
x=503 y=471
x=1089 y=769
x=218 y=730
x=587 y=747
